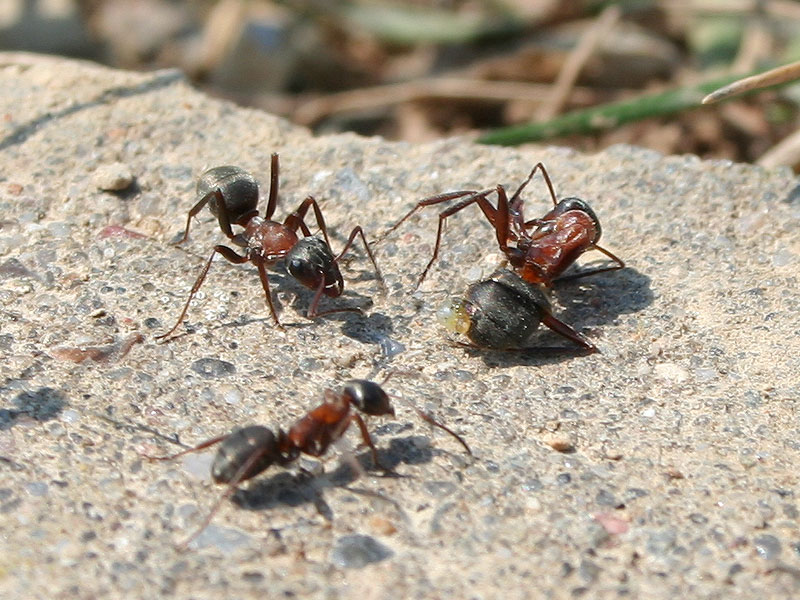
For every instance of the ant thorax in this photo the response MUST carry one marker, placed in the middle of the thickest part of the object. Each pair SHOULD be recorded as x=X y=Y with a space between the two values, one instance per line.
x=269 y=239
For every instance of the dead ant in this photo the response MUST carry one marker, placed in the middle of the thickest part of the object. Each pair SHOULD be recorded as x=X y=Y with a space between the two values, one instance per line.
x=231 y=194
x=502 y=311
x=249 y=451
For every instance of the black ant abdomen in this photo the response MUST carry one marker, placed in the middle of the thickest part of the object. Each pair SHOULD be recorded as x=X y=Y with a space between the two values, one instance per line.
x=245 y=453
x=502 y=313
x=238 y=188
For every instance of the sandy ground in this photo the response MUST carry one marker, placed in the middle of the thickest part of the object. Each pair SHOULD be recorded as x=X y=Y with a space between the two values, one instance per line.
x=681 y=479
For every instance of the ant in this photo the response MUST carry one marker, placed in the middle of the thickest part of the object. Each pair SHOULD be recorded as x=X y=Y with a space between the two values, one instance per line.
x=248 y=451
x=231 y=194
x=538 y=251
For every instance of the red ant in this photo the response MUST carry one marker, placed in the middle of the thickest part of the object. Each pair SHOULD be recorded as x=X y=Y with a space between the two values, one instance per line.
x=249 y=451
x=538 y=250
x=232 y=196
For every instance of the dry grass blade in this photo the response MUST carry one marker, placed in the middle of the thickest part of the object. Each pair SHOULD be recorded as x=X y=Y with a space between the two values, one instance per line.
x=312 y=111
x=785 y=152
x=593 y=37
x=776 y=76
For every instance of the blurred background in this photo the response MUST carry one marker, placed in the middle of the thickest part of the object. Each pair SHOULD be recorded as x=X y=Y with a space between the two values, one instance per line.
x=583 y=73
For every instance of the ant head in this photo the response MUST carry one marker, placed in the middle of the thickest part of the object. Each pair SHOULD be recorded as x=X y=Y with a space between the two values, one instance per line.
x=569 y=204
x=245 y=453
x=239 y=189
x=368 y=397
x=311 y=261
x=501 y=312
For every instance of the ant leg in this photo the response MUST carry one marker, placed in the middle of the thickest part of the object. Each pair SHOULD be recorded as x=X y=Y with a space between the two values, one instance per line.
x=568 y=332
x=620 y=265
x=489 y=211
x=235 y=480
x=312 y=309
x=368 y=441
x=228 y=255
x=201 y=446
x=273 y=186
x=262 y=273
x=224 y=219
x=429 y=419
x=437 y=199
x=502 y=222
x=193 y=212
x=358 y=231
x=297 y=219
x=516 y=202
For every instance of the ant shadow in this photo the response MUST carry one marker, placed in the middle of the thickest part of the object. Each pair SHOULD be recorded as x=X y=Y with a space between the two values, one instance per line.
x=357 y=324
x=41 y=405
x=367 y=328
x=295 y=489
x=617 y=292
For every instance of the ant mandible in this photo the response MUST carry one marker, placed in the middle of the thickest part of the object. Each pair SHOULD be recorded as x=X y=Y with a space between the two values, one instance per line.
x=231 y=194
x=501 y=312
x=248 y=451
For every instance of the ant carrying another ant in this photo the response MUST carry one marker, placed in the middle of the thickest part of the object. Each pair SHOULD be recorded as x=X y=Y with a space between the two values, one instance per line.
x=248 y=451
x=231 y=194
x=503 y=311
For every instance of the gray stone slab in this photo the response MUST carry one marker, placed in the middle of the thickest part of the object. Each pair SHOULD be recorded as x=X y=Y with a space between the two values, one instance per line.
x=683 y=477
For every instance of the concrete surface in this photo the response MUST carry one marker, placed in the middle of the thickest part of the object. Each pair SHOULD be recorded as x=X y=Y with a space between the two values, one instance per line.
x=683 y=478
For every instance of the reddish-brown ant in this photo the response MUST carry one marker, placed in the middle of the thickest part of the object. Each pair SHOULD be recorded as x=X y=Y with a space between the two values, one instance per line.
x=249 y=451
x=232 y=195
x=502 y=311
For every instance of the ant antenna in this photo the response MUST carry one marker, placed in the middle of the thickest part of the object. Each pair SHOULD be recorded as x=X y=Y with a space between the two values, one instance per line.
x=427 y=417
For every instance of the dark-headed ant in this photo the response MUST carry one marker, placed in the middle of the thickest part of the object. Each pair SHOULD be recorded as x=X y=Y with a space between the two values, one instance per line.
x=232 y=196
x=249 y=451
x=501 y=312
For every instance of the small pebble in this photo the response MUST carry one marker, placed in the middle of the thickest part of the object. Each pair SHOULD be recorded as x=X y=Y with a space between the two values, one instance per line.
x=634 y=493
x=560 y=443
x=588 y=571
x=112 y=177
x=382 y=525
x=357 y=551
x=606 y=498
x=231 y=394
x=767 y=546
x=389 y=347
x=213 y=367
x=440 y=489
x=612 y=524
x=661 y=542
x=671 y=372
x=224 y=538
x=36 y=488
